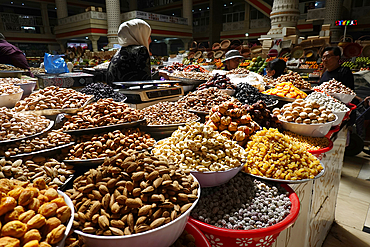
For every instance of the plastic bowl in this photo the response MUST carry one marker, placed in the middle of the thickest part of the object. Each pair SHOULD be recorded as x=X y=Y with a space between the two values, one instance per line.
x=70 y=223
x=212 y=179
x=259 y=237
x=340 y=115
x=27 y=87
x=159 y=237
x=313 y=130
x=9 y=100
x=345 y=98
x=351 y=107
x=200 y=239
x=320 y=152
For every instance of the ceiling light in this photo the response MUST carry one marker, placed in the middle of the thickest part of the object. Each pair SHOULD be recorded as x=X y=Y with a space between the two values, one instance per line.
x=192 y=10
x=155 y=40
x=246 y=34
x=231 y=3
x=225 y=5
x=86 y=37
x=56 y=8
x=11 y=2
x=207 y=7
x=200 y=9
x=22 y=3
x=173 y=13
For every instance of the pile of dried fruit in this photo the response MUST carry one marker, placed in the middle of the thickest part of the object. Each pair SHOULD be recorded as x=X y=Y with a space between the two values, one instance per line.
x=218 y=81
x=262 y=115
x=286 y=89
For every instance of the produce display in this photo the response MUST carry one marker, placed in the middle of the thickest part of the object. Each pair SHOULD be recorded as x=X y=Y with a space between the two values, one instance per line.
x=306 y=112
x=238 y=71
x=360 y=62
x=48 y=140
x=195 y=68
x=248 y=94
x=310 y=143
x=271 y=154
x=175 y=67
x=52 y=98
x=218 y=81
x=197 y=147
x=109 y=144
x=192 y=75
x=10 y=68
x=164 y=113
x=232 y=121
x=242 y=204
x=205 y=99
x=334 y=86
x=14 y=80
x=31 y=169
x=329 y=102
x=131 y=193
x=286 y=89
x=295 y=79
x=16 y=125
x=9 y=88
x=102 y=91
x=104 y=112
x=34 y=214
x=262 y=115
x=257 y=64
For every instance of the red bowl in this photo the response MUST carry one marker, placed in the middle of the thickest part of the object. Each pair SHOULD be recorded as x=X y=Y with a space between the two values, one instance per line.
x=320 y=152
x=200 y=239
x=351 y=107
x=252 y=238
x=332 y=131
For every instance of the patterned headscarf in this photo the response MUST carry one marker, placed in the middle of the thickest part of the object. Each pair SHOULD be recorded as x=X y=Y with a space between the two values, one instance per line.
x=134 y=32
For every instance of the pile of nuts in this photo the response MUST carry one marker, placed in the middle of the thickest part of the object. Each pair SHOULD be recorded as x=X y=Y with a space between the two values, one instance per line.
x=192 y=75
x=102 y=113
x=302 y=111
x=271 y=154
x=33 y=214
x=242 y=204
x=131 y=193
x=329 y=102
x=205 y=99
x=16 y=125
x=50 y=170
x=262 y=115
x=334 y=86
x=232 y=122
x=14 y=80
x=197 y=147
x=218 y=81
x=52 y=98
x=164 y=113
x=109 y=144
x=286 y=89
x=310 y=143
x=295 y=79
x=9 y=88
x=238 y=71
x=37 y=71
x=10 y=68
x=48 y=140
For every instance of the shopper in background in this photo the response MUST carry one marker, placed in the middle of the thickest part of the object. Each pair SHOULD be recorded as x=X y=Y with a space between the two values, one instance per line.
x=10 y=54
x=232 y=59
x=275 y=68
x=132 y=60
x=330 y=59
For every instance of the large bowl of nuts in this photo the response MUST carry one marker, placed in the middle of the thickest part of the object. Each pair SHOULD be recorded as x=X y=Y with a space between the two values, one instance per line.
x=213 y=179
x=9 y=100
x=314 y=130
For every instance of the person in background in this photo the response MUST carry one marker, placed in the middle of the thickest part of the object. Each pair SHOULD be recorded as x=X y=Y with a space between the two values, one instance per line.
x=232 y=59
x=333 y=70
x=275 y=68
x=132 y=61
x=10 y=54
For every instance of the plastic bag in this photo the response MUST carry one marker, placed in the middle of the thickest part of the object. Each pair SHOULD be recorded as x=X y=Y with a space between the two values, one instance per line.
x=54 y=64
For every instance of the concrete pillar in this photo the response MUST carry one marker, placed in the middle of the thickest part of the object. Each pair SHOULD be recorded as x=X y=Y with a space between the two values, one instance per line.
x=114 y=20
x=62 y=10
x=132 y=5
x=187 y=7
x=94 y=41
x=285 y=13
x=45 y=18
x=333 y=12
x=215 y=23
x=186 y=43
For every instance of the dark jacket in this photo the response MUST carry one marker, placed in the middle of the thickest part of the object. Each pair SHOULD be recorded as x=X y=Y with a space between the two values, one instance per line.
x=10 y=54
x=341 y=74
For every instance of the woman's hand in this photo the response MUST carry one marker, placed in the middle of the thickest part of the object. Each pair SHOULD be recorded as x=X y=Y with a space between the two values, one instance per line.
x=164 y=75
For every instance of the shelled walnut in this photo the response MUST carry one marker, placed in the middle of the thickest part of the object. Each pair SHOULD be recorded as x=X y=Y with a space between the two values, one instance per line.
x=52 y=98
x=102 y=113
x=109 y=144
x=48 y=140
x=18 y=125
x=131 y=193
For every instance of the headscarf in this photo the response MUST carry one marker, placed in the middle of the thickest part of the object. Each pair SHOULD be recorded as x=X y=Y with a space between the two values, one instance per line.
x=134 y=32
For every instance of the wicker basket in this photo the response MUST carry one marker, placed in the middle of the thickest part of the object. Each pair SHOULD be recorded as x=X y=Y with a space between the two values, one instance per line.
x=194 y=46
x=216 y=46
x=210 y=54
x=366 y=51
x=218 y=54
x=306 y=44
x=256 y=49
x=362 y=40
x=225 y=44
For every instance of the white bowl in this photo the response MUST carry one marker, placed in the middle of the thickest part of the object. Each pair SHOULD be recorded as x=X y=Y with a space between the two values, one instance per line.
x=212 y=179
x=70 y=222
x=340 y=115
x=9 y=100
x=313 y=130
x=345 y=98
x=27 y=87
x=162 y=236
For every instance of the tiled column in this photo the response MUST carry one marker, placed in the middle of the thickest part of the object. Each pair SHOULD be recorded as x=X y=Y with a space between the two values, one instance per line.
x=45 y=17
x=187 y=7
x=333 y=11
x=62 y=10
x=114 y=20
x=285 y=13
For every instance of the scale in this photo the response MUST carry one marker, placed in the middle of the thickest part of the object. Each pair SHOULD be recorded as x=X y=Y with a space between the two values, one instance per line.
x=141 y=94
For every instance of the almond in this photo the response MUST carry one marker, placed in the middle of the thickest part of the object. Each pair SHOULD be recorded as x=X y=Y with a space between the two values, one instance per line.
x=103 y=222
x=144 y=210
x=185 y=207
x=157 y=182
x=133 y=203
x=158 y=222
x=116 y=231
x=137 y=176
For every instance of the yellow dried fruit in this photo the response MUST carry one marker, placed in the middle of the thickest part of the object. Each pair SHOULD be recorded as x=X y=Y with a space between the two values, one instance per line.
x=14 y=229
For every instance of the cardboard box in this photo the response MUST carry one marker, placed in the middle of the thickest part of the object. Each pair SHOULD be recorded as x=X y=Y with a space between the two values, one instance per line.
x=267 y=43
x=325 y=27
x=327 y=33
x=327 y=39
x=91 y=8
x=293 y=38
x=289 y=31
x=322 y=33
x=100 y=9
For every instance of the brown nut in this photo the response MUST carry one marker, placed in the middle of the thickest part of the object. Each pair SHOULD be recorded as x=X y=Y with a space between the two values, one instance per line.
x=56 y=235
x=36 y=222
x=48 y=209
x=14 y=229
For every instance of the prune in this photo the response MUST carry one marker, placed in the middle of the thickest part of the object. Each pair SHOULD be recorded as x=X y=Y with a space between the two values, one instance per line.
x=102 y=91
